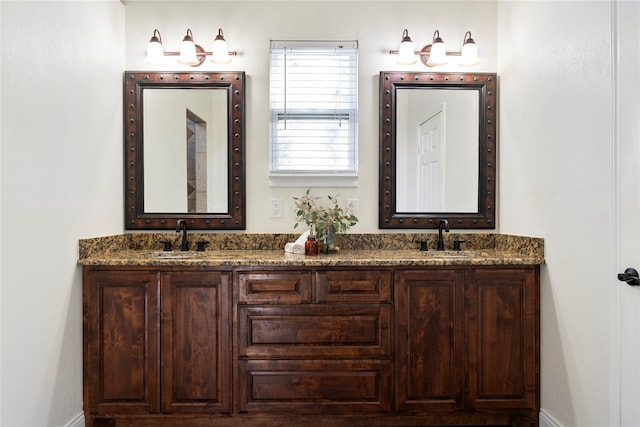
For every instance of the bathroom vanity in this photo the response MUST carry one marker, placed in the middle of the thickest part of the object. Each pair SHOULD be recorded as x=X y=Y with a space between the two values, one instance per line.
x=378 y=334
x=388 y=336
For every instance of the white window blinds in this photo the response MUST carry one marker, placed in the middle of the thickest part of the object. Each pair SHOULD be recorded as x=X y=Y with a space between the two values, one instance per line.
x=314 y=107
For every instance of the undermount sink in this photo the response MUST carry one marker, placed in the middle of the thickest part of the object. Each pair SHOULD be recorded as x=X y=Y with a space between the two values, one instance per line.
x=450 y=254
x=169 y=254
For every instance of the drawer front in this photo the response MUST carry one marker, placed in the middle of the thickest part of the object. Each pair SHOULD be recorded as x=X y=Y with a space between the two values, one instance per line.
x=353 y=286
x=329 y=386
x=314 y=331
x=277 y=287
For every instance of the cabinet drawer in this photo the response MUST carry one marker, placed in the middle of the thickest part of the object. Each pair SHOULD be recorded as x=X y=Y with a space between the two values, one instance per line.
x=277 y=287
x=314 y=331
x=315 y=385
x=353 y=286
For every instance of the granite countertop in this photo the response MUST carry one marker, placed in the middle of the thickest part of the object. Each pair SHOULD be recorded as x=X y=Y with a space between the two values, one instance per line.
x=236 y=250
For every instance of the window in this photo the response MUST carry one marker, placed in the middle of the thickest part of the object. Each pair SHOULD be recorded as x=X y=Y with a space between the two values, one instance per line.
x=314 y=108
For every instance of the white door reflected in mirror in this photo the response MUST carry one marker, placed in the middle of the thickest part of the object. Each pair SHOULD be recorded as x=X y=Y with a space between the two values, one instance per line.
x=431 y=177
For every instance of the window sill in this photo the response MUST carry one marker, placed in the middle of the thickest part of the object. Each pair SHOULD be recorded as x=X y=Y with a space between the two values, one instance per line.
x=313 y=180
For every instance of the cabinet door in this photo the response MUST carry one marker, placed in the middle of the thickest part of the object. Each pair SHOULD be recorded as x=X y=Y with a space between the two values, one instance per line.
x=429 y=344
x=502 y=311
x=121 y=370
x=196 y=351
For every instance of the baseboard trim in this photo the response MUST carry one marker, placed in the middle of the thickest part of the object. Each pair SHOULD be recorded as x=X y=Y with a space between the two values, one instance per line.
x=547 y=420
x=77 y=421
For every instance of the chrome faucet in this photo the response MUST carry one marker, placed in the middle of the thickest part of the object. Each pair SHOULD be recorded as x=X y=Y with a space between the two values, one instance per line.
x=442 y=224
x=182 y=224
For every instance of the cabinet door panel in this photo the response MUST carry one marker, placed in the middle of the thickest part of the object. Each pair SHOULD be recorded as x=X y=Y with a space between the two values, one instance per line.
x=196 y=371
x=429 y=351
x=330 y=386
x=121 y=341
x=502 y=338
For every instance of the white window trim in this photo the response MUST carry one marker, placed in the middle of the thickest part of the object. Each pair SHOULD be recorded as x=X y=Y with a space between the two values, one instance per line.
x=313 y=180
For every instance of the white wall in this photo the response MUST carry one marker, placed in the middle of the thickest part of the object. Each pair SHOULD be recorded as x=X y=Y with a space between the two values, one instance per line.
x=61 y=170
x=555 y=182
x=61 y=176
x=250 y=25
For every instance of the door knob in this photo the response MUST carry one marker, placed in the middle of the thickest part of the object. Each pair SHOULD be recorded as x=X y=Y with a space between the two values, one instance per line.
x=630 y=276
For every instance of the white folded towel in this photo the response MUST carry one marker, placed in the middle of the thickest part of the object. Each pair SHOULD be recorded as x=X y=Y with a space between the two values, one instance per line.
x=297 y=247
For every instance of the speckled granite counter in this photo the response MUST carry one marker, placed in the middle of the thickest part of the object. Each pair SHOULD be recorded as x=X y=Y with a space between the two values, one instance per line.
x=233 y=250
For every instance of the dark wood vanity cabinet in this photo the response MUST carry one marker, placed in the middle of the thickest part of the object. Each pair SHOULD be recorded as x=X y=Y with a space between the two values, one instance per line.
x=467 y=341
x=156 y=342
x=314 y=341
x=340 y=346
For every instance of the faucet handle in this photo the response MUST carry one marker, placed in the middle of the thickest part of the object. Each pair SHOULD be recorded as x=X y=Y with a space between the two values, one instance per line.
x=167 y=245
x=457 y=243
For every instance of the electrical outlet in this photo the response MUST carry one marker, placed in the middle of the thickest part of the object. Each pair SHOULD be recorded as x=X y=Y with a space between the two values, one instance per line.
x=352 y=206
x=276 y=208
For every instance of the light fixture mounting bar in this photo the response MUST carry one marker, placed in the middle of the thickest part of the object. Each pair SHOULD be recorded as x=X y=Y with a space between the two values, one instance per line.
x=424 y=54
x=201 y=54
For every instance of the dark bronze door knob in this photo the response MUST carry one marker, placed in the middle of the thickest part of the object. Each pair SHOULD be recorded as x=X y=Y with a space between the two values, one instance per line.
x=630 y=276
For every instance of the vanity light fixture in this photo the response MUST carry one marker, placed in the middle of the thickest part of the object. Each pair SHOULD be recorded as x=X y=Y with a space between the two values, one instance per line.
x=438 y=54
x=220 y=51
x=435 y=54
x=406 y=53
x=190 y=53
x=155 y=54
x=469 y=54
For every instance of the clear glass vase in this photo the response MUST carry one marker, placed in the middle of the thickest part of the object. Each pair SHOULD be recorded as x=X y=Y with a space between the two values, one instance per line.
x=330 y=241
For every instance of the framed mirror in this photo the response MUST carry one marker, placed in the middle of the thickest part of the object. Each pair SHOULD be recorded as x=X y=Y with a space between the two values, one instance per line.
x=184 y=150
x=437 y=150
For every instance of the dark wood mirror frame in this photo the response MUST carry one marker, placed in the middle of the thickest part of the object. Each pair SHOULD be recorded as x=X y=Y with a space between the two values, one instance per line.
x=135 y=215
x=485 y=84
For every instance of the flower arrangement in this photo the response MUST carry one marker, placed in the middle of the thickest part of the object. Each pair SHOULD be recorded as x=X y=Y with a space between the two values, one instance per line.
x=326 y=222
